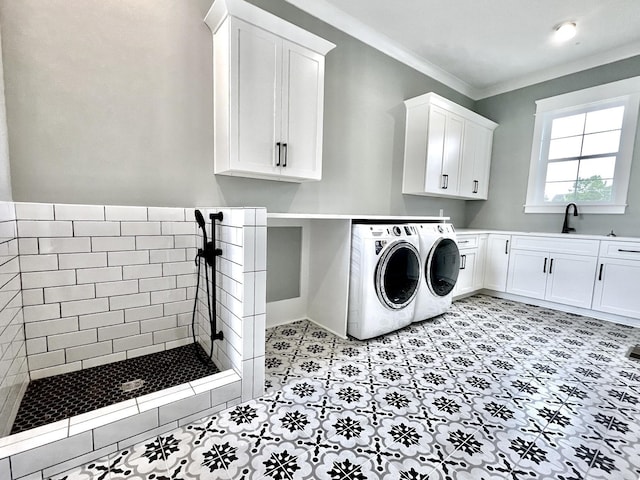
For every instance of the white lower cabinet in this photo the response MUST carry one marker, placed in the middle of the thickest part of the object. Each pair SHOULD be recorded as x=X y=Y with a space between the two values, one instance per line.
x=543 y=269
x=618 y=277
x=599 y=275
x=472 y=255
x=464 y=284
x=571 y=279
x=497 y=262
x=527 y=273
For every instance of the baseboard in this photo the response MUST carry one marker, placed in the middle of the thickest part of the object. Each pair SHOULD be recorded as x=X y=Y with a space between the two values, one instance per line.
x=609 y=317
x=324 y=327
x=287 y=322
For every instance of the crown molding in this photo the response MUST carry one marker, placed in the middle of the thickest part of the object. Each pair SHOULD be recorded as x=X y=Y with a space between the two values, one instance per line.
x=335 y=17
x=355 y=28
x=610 y=56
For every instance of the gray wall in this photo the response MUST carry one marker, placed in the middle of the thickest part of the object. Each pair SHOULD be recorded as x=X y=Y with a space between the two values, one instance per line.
x=110 y=102
x=5 y=171
x=514 y=111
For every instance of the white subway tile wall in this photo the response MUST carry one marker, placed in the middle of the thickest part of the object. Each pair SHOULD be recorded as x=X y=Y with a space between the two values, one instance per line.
x=241 y=278
x=107 y=282
x=13 y=354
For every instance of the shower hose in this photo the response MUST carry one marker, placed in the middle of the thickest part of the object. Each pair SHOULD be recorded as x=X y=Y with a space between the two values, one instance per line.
x=198 y=261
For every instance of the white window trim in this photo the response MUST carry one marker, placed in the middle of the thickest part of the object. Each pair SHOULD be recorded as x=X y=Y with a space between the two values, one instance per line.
x=625 y=92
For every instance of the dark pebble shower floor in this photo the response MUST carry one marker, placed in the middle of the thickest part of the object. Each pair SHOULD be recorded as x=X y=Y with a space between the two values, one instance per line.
x=55 y=398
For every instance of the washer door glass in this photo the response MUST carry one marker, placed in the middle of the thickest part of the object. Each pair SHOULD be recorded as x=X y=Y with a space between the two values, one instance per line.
x=442 y=269
x=398 y=275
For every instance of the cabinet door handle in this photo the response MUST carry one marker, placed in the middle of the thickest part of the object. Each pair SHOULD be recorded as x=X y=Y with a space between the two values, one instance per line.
x=544 y=268
x=463 y=241
x=476 y=186
x=284 y=161
x=600 y=274
x=551 y=267
x=628 y=251
x=506 y=247
x=463 y=262
x=279 y=151
x=445 y=181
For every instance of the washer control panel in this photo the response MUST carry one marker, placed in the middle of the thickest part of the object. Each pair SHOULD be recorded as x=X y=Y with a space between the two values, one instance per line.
x=442 y=228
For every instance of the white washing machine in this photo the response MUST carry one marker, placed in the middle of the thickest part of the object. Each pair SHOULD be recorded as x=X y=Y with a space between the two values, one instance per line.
x=440 y=265
x=384 y=278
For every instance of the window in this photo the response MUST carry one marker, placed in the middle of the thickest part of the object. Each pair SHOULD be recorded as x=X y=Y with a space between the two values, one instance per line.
x=583 y=148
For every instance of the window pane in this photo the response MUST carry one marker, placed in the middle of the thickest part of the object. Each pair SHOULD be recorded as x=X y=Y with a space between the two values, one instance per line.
x=559 y=171
x=594 y=190
x=559 y=192
x=603 y=120
x=565 y=147
x=598 y=143
x=601 y=167
x=568 y=126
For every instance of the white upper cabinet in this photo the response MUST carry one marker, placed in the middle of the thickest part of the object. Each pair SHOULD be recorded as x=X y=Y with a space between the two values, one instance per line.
x=268 y=93
x=447 y=149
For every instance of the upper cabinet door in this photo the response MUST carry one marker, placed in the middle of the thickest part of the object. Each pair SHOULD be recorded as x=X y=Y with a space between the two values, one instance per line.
x=476 y=161
x=302 y=111
x=444 y=146
x=452 y=154
x=255 y=93
x=435 y=134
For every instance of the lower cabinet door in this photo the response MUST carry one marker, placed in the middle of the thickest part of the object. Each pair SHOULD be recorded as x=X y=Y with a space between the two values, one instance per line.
x=528 y=273
x=570 y=279
x=616 y=288
x=465 y=282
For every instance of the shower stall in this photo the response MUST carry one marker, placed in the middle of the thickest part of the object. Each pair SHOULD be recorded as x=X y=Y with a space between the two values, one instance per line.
x=107 y=335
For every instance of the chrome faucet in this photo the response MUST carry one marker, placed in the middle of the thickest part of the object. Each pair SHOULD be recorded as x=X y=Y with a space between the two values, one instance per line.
x=565 y=226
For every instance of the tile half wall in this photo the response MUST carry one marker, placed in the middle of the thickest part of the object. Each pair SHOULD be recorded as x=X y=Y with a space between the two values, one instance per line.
x=13 y=360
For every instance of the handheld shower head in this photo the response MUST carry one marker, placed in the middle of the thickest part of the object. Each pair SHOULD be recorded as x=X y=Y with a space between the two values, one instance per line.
x=199 y=218
x=201 y=223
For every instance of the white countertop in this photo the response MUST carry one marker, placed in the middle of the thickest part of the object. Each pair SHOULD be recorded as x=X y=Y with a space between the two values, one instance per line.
x=352 y=216
x=462 y=231
x=435 y=219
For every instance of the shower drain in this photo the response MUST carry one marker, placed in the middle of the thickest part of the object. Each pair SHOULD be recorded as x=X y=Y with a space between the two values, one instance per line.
x=132 y=385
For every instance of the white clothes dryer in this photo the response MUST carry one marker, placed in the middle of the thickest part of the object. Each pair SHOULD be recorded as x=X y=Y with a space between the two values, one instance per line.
x=440 y=265
x=384 y=278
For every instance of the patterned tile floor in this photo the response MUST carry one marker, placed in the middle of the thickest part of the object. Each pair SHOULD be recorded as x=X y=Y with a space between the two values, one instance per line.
x=493 y=389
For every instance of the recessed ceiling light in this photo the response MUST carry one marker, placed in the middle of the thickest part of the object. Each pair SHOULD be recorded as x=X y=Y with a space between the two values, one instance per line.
x=565 y=31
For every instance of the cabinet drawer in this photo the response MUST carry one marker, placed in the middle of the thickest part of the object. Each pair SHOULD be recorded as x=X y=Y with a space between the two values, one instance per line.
x=467 y=241
x=556 y=244
x=630 y=250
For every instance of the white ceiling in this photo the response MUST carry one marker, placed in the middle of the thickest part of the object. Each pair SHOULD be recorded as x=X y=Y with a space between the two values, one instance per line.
x=485 y=47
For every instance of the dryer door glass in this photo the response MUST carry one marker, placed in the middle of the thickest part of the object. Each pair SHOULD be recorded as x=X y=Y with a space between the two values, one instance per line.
x=443 y=267
x=398 y=275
